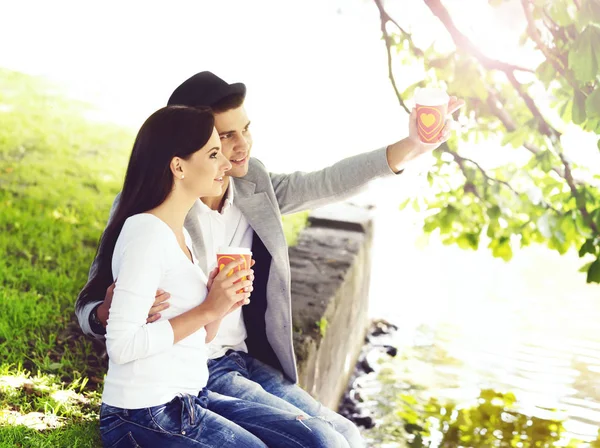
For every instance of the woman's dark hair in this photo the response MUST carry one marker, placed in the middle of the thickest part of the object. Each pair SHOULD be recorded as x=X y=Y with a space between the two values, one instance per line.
x=173 y=131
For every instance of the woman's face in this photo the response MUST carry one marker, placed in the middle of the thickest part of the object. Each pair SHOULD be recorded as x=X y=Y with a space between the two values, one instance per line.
x=205 y=168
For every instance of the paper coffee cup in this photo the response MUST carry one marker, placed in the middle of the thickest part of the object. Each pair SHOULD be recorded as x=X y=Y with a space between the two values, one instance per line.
x=226 y=255
x=432 y=107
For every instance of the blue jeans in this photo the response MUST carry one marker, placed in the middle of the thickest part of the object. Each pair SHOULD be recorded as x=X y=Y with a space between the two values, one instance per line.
x=209 y=420
x=239 y=375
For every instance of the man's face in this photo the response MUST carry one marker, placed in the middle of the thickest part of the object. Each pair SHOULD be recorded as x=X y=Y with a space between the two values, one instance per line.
x=236 y=140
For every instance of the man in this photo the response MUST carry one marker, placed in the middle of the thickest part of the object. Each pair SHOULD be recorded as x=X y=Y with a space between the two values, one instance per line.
x=253 y=357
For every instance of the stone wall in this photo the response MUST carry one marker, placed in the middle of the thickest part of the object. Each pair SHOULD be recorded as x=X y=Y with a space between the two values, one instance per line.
x=331 y=266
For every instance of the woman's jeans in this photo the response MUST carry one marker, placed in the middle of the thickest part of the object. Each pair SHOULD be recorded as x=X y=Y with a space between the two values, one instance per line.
x=188 y=421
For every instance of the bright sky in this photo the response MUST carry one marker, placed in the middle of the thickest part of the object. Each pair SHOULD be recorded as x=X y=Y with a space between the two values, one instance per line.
x=315 y=70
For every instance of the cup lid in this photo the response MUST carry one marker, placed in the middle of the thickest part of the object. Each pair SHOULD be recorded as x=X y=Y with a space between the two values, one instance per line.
x=230 y=250
x=431 y=96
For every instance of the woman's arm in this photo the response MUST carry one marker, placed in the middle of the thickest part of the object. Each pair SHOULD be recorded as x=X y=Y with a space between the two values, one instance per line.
x=212 y=329
x=141 y=263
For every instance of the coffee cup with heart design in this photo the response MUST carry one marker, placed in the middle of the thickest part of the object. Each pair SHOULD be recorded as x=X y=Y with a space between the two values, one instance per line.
x=432 y=107
x=226 y=255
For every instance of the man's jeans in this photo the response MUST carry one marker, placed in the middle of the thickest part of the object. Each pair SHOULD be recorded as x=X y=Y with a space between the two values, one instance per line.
x=210 y=420
x=239 y=375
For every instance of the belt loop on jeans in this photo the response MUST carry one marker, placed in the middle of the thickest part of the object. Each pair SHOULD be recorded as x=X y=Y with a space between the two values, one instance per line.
x=202 y=398
x=187 y=402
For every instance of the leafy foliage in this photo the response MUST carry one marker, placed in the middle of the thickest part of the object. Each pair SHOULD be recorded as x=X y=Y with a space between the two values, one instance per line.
x=545 y=197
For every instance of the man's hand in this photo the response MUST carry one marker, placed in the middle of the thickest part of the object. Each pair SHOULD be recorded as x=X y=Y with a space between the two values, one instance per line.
x=410 y=148
x=160 y=304
x=103 y=310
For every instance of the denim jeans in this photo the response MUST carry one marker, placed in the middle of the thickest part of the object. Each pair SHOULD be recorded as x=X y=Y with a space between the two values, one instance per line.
x=212 y=420
x=239 y=375
x=185 y=421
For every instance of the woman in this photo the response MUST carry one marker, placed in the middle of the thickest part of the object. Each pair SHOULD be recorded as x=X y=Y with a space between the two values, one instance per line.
x=156 y=370
x=154 y=392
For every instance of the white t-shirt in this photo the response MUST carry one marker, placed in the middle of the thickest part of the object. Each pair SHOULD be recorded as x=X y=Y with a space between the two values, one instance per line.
x=229 y=227
x=145 y=367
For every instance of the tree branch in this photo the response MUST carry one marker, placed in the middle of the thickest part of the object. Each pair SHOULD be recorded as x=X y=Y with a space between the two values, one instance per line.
x=543 y=125
x=385 y=18
x=580 y=200
x=460 y=160
x=464 y=43
x=534 y=33
x=461 y=41
x=469 y=186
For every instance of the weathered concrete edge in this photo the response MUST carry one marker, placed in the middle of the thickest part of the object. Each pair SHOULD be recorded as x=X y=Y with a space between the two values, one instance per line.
x=331 y=270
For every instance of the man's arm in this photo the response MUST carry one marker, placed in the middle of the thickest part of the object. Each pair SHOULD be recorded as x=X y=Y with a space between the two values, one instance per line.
x=300 y=191
x=86 y=311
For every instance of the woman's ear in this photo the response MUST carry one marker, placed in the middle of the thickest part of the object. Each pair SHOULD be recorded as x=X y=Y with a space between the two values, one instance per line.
x=176 y=168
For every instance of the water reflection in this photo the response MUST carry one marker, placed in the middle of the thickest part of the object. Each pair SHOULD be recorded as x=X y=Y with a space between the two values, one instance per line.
x=471 y=322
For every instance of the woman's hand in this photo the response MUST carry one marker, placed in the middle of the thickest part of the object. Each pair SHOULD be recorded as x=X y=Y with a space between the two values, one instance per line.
x=224 y=295
x=236 y=305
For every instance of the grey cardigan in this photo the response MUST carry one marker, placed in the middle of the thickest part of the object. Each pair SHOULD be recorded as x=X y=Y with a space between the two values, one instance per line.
x=263 y=197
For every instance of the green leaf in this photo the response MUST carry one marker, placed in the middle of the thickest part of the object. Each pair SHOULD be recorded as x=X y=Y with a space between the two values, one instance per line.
x=501 y=248
x=586 y=267
x=515 y=138
x=544 y=159
x=494 y=212
x=589 y=12
x=566 y=110
x=546 y=72
x=587 y=248
x=598 y=144
x=430 y=225
x=561 y=12
x=468 y=241
x=585 y=54
x=545 y=225
x=593 y=274
x=523 y=39
x=592 y=104
x=579 y=108
x=567 y=225
x=404 y=203
x=415 y=205
x=430 y=178
x=410 y=90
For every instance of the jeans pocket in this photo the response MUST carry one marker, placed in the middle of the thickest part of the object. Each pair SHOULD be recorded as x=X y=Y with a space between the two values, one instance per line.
x=167 y=418
x=110 y=418
x=238 y=360
x=127 y=441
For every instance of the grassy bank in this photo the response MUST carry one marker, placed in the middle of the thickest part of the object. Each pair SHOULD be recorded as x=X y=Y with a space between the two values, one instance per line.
x=59 y=173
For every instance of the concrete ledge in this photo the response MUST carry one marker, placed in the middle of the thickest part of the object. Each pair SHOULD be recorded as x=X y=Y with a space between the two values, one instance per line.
x=331 y=266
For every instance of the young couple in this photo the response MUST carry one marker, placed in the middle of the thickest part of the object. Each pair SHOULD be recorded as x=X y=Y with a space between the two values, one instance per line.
x=192 y=360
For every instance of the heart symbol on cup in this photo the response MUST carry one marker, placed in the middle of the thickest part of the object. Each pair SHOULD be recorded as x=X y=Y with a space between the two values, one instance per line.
x=427 y=119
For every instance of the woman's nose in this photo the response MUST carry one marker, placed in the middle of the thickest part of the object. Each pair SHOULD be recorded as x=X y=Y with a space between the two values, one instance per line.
x=225 y=164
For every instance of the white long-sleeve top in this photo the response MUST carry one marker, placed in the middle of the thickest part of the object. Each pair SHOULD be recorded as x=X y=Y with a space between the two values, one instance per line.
x=145 y=367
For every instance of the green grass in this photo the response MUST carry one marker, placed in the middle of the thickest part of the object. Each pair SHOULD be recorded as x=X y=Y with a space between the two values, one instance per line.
x=59 y=173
